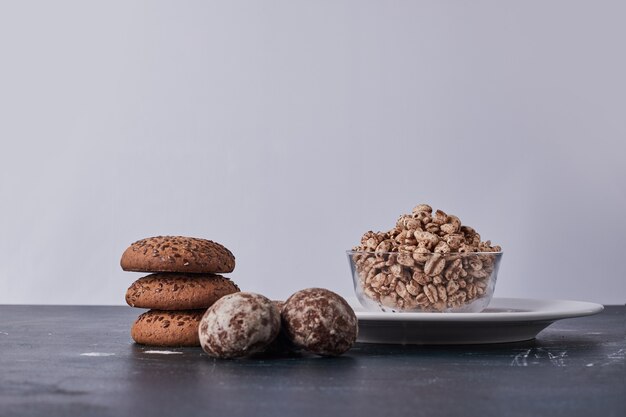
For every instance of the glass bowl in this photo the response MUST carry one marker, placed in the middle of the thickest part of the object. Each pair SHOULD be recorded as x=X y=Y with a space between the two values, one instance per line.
x=460 y=282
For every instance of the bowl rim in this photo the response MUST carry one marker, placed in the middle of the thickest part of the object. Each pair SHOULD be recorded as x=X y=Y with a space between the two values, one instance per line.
x=352 y=252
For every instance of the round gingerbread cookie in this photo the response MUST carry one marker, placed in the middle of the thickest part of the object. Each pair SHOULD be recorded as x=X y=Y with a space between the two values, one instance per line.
x=177 y=254
x=238 y=325
x=320 y=321
x=176 y=291
x=167 y=328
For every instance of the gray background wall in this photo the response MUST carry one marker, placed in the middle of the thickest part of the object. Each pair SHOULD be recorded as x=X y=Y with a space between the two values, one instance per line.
x=286 y=129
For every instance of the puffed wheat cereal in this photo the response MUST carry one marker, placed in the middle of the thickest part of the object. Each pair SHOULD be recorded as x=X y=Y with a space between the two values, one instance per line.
x=428 y=262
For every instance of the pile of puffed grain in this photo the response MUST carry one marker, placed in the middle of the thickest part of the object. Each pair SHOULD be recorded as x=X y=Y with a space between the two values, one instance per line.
x=427 y=262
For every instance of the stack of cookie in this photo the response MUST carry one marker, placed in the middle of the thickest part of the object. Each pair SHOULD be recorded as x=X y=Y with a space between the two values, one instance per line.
x=183 y=283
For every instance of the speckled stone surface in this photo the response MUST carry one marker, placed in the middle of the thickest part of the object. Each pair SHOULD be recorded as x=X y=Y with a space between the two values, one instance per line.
x=60 y=361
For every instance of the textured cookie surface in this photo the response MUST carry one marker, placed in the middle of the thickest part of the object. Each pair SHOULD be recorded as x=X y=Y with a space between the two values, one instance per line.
x=238 y=325
x=177 y=254
x=176 y=291
x=167 y=328
x=320 y=321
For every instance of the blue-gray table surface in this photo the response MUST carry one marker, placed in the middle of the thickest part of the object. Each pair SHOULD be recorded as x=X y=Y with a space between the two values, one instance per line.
x=80 y=361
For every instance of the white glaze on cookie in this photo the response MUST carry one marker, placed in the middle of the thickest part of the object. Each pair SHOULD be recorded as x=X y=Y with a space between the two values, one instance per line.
x=238 y=325
x=320 y=321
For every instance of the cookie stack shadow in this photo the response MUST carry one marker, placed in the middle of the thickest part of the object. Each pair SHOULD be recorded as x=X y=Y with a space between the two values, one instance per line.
x=184 y=281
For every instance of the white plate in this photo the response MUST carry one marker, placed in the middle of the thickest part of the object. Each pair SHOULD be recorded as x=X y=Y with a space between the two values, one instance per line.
x=505 y=320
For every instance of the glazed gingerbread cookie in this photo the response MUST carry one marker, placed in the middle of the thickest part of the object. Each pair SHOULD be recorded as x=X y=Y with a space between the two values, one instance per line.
x=320 y=321
x=238 y=325
x=177 y=291
x=177 y=254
